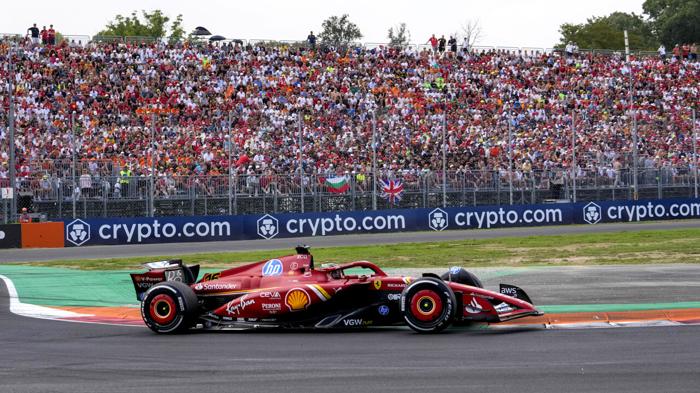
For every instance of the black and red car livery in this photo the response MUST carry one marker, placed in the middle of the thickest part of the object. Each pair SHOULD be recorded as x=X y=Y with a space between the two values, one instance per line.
x=290 y=292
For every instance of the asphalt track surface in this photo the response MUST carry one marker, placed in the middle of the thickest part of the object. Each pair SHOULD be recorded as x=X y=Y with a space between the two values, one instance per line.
x=25 y=255
x=52 y=356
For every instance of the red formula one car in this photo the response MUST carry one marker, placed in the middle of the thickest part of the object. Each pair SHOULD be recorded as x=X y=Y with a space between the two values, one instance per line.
x=289 y=292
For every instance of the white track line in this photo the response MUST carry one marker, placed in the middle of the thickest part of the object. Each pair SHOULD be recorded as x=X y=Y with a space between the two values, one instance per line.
x=32 y=310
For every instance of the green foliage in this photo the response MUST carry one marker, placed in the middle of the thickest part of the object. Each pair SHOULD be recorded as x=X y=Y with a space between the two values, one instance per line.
x=608 y=32
x=150 y=24
x=339 y=31
x=399 y=36
x=674 y=21
x=177 y=32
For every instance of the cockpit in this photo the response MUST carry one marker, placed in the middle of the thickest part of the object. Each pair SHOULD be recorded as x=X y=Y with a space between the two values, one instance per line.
x=361 y=270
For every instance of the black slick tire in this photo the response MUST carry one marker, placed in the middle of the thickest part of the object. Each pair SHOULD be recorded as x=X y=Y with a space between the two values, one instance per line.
x=428 y=305
x=169 y=307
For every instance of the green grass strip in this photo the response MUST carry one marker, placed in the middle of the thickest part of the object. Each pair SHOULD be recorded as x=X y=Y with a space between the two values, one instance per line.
x=627 y=247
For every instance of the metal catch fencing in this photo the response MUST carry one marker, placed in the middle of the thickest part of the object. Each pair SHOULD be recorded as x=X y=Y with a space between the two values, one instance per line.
x=96 y=195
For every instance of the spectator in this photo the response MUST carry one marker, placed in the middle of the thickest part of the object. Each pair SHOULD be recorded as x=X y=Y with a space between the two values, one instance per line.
x=685 y=51
x=662 y=52
x=25 y=217
x=441 y=44
x=51 y=36
x=569 y=49
x=33 y=32
x=453 y=45
x=677 y=52
x=433 y=43
x=44 y=36
x=694 y=52
x=114 y=93
x=85 y=184
x=311 y=39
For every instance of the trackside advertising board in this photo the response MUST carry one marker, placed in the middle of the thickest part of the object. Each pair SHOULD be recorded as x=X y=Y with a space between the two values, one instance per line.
x=84 y=232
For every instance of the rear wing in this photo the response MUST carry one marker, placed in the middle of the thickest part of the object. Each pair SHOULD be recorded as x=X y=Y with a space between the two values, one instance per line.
x=159 y=271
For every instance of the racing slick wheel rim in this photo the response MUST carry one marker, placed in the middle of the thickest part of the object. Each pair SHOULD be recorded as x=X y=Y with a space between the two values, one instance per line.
x=169 y=307
x=163 y=309
x=426 y=305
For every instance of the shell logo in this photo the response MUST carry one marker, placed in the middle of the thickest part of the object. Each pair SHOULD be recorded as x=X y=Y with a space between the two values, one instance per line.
x=297 y=299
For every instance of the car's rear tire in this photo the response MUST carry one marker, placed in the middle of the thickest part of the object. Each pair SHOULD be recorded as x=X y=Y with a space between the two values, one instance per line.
x=428 y=305
x=462 y=276
x=169 y=307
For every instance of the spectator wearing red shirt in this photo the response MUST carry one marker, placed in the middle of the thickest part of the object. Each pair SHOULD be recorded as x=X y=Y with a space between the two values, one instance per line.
x=44 y=36
x=24 y=218
x=433 y=43
x=677 y=52
x=51 y=35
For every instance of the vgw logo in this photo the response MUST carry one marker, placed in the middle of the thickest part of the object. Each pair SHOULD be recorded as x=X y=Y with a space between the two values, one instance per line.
x=592 y=213
x=268 y=227
x=437 y=219
x=78 y=232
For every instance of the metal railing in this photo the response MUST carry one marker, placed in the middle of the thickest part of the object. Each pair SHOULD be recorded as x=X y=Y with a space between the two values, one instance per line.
x=114 y=196
x=84 y=39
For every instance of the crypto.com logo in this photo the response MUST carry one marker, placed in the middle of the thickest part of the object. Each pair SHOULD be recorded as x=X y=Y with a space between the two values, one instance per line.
x=268 y=227
x=437 y=219
x=592 y=213
x=78 y=232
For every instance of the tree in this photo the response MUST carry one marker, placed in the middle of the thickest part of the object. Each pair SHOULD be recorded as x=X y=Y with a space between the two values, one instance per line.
x=177 y=32
x=607 y=32
x=150 y=24
x=674 y=21
x=471 y=30
x=339 y=31
x=399 y=36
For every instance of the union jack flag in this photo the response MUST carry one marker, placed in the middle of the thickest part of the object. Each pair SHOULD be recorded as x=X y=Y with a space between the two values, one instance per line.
x=392 y=190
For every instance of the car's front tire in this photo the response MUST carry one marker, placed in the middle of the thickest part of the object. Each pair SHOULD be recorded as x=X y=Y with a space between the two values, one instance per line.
x=428 y=305
x=462 y=276
x=169 y=307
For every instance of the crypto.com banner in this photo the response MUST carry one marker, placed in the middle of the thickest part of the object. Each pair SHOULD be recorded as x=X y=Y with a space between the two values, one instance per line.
x=82 y=232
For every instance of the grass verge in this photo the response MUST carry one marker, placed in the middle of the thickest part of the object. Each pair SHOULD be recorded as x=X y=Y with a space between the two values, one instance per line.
x=628 y=247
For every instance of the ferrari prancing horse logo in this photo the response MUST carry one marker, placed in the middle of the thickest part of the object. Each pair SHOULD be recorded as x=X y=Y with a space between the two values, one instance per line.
x=377 y=284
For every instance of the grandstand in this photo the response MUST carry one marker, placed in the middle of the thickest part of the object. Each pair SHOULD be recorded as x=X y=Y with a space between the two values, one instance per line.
x=122 y=128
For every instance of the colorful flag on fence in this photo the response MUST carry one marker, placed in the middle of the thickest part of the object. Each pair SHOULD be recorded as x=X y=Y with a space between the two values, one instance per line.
x=392 y=190
x=337 y=185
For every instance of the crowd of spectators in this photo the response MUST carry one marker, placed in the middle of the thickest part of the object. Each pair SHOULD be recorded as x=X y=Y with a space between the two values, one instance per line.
x=114 y=90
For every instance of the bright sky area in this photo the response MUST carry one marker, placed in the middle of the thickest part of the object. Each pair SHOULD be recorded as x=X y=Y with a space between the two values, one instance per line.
x=520 y=23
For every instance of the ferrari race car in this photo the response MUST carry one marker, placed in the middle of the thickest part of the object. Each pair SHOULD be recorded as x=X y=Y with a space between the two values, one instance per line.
x=290 y=292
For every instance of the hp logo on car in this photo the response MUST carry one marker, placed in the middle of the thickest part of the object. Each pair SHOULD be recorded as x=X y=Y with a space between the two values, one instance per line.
x=268 y=227
x=273 y=267
x=437 y=219
x=78 y=232
x=592 y=213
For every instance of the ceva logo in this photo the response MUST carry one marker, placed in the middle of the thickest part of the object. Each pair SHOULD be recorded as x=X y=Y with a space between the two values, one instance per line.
x=592 y=213
x=78 y=232
x=268 y=227
x=437 y=219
